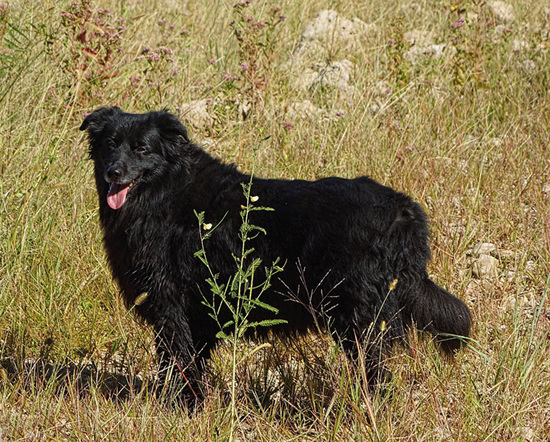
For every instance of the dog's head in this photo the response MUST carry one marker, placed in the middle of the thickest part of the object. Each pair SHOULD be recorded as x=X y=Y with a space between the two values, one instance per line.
x=132 y=150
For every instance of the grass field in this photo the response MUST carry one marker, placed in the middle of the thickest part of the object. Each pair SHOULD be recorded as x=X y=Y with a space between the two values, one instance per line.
x=457 y=116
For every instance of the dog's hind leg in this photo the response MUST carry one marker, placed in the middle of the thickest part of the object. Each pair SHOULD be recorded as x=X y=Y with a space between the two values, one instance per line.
x=366 y=350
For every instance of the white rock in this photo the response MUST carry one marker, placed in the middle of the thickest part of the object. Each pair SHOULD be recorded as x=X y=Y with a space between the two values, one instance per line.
x=336 y=75
x=529 y=66
x=307 y=110
x=196 y=112
x=326 y=32
x=484 y=248
x=528 y=433
x=546 y=189
x=503 y=11
x=417 y=53
x=303 y=109
x=519 y=45
x=485 y=267
x=330 y=26
x=496 y=141
x=506 y=255
x=502 y=31
x=328 y=29
x=419 y=38
x=382 y=89
x=530 y=266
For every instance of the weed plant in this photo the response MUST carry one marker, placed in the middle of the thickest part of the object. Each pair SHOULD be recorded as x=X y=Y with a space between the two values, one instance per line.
x=241 y=294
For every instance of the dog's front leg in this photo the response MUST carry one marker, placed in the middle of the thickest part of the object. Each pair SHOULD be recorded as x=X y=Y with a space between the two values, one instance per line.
x=178 y=368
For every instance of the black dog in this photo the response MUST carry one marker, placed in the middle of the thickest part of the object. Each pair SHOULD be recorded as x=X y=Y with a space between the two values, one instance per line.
x=354 y=251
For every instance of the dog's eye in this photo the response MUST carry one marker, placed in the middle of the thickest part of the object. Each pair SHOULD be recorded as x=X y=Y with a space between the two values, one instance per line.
x=141 y=150
x=110 y=145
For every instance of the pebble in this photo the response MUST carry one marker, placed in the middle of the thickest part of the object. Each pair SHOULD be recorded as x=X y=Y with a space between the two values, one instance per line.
x=485 y=267
x=502 y=10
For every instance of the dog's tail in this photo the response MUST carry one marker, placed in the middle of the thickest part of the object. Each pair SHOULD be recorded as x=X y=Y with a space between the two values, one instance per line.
x=442 y=314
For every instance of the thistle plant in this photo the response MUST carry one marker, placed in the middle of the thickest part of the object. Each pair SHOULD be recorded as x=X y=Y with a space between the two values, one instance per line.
x=398 y=67
x=94 y=40
x=255 y=39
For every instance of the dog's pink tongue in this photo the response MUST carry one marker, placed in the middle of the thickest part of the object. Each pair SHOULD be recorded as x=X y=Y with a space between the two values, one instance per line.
x=116 y=196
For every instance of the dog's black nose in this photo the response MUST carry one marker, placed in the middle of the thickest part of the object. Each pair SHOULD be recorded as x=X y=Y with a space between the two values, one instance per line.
x=113 y=173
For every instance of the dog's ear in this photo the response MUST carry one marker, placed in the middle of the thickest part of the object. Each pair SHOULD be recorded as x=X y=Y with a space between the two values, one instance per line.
x=170 y=126
x=95 y=122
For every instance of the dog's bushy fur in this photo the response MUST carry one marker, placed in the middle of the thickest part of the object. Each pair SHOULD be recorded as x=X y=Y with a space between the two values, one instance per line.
x=345 y=244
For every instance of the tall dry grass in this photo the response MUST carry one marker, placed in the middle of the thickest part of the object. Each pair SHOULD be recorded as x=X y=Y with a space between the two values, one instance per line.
x=466 y=135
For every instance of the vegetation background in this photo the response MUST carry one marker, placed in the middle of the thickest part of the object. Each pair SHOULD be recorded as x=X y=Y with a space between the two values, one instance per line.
x=448 y=101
